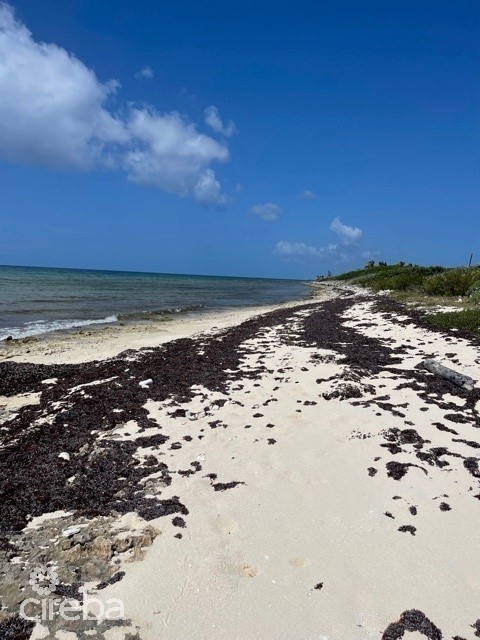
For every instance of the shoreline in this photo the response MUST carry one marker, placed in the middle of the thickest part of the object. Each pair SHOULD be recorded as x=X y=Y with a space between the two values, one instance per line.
x=39 y=301
x=98 y=342
x=298 y=469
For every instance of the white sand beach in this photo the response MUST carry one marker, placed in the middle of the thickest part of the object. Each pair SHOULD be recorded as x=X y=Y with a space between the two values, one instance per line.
x=239 y=320
x=324 y=500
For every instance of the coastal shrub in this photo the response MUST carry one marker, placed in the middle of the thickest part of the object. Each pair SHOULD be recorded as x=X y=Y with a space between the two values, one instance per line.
x=474 y=294
x=396 y=277
x=466 y=320
x=406 y=279
x=453 y=282
x=474 y=291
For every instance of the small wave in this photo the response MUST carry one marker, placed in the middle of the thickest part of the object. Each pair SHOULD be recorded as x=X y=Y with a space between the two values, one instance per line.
x=37 y=327
x=158 y=314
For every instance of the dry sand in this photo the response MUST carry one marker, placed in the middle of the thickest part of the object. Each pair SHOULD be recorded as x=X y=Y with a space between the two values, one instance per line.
x=319 y=540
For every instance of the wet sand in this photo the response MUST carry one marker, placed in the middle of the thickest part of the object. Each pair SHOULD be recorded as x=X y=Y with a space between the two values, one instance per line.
x=297 y=475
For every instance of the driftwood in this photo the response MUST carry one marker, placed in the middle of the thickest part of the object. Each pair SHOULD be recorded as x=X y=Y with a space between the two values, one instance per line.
x=452 y=376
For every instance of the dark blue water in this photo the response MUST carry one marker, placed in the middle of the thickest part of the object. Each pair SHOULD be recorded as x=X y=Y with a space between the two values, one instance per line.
x=36 y=300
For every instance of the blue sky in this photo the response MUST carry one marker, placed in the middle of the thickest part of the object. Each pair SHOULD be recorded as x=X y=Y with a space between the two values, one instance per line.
x=239 y=138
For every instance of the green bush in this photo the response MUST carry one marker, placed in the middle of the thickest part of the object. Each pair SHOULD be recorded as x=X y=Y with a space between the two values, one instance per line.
x=474 y=291
x=396 y=277
x=474 y=294
x=431 y=281
x=467 y=320
x=453 y=282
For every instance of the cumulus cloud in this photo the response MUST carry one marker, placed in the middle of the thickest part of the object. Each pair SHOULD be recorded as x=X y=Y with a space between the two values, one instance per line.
x=55 y=112
x=348 y=235
x=268 y=211
x=214 y=121
x=168 y=153
x=145 y=72
x=307 y=195
x=207 y=189
x=300 y=252
x=51 y=105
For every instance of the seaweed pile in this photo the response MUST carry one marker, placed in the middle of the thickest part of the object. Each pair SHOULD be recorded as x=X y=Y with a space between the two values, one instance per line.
x=58 y=455
x=91 y=399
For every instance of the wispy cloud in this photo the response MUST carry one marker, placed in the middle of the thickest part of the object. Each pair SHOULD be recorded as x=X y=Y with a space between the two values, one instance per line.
x=308 y=195
x=215 y=122
x=346 y=250
x=348 y=235
x=300 y=252
x=268 y=211
x=55 y=112
x=145 y=72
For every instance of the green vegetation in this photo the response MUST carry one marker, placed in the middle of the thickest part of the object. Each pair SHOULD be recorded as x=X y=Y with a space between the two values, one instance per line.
x=466 y=320
x=396 y=277
x=430 y=281
x=454 y=282
x=426 y=286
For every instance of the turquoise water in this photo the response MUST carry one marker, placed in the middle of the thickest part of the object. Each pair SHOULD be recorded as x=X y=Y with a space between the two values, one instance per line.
x=36 y=300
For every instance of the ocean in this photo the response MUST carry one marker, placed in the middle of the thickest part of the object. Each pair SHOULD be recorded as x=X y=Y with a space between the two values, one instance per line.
x=36 y=300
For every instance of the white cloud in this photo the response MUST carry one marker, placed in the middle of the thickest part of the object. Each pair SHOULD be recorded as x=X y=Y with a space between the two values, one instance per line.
x=51 y=105
x=214 y=121
x=168 y=153
x=346 y=251
x=300 y=252
x=307 y=195
x=268 y=211
x=347 y=234
x=295 y=250
x=207 y=189
x=55 y=112
x=145 y=72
